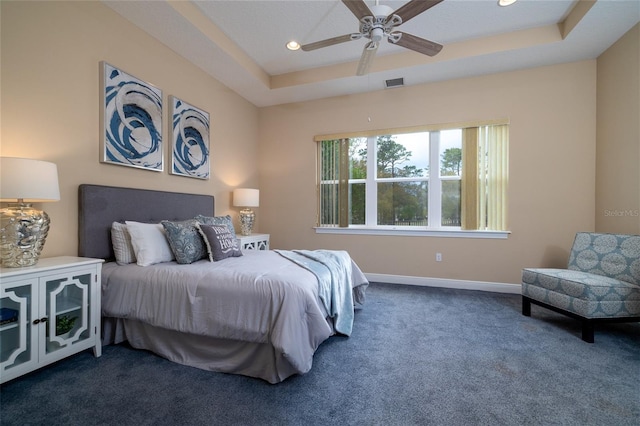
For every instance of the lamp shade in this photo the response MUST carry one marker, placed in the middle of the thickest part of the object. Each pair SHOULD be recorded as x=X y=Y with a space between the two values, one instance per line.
x=245 y=197
x=32 y=181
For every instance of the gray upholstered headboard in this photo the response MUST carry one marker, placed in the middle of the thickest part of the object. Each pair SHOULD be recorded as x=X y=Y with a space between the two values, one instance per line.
x=99 y=206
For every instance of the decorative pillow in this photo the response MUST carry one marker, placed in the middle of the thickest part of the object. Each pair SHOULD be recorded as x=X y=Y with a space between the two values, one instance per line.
x=121 y=241
x=149 y=243
x=185 y=241
x=219 y=241
x=217 y=220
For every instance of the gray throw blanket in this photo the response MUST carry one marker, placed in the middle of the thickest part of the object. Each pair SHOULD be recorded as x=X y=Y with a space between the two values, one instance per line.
x=333 y=270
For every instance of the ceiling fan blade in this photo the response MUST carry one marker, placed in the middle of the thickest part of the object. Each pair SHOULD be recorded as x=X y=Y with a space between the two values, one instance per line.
x=366 y=59
x=358 y=8
x=417 y=44
x=412 y=9
x=330 y=42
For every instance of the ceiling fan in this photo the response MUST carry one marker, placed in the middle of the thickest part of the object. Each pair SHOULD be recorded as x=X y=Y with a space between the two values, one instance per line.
x=378 y=22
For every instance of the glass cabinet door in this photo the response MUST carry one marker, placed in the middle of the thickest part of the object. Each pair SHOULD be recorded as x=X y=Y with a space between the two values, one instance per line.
x=66 y=298
x=17 y=338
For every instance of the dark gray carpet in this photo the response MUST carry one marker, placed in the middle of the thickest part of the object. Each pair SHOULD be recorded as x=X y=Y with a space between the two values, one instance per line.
x=417 y=356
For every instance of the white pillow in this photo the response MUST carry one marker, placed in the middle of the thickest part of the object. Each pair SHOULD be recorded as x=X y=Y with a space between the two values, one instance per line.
x=149 y=243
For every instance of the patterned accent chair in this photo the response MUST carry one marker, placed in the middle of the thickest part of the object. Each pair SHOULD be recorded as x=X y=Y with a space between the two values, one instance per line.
x=601 y=283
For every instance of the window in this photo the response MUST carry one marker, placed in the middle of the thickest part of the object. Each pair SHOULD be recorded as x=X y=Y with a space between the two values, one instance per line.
x=449 y=178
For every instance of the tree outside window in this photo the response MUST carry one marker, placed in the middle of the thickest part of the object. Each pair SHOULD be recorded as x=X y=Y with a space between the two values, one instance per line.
x=390 y=184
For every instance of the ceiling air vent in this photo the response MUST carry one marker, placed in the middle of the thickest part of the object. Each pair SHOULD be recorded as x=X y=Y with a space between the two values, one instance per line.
x=394 y=82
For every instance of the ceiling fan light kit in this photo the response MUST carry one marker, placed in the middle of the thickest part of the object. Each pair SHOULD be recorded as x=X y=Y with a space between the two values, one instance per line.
x=293 y=45
x=379 y=22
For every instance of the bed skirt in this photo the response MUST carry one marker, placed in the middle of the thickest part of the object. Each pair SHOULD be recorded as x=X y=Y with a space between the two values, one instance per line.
x=257 y=360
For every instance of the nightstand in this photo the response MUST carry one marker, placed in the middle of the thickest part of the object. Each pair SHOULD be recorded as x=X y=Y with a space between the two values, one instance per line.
x=254 y=242
x=47 y=312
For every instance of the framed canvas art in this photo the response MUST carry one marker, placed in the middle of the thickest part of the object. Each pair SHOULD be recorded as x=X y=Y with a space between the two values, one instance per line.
x=131 y=121
x=190 y=140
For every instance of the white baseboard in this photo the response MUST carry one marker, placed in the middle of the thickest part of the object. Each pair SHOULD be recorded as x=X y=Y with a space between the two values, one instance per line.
x=446 y=283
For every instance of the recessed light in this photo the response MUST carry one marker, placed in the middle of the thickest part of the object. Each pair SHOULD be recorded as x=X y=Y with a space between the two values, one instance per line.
x=506 y=2
x=293 y=45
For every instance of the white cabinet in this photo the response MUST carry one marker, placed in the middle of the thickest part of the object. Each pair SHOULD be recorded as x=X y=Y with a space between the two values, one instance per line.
x=254 y=242
x=35 y=304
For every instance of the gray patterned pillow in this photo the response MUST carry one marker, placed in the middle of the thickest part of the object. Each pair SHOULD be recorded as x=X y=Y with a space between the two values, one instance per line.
x=217 y=220
x=220 y=242
x=121 y=242
x=185 y=241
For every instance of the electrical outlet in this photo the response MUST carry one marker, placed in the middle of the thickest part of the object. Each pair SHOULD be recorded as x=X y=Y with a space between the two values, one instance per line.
x=438 y=257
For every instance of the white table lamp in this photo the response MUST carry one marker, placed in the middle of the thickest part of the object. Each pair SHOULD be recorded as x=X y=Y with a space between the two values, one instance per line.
x=23 y=229
x=245 y=197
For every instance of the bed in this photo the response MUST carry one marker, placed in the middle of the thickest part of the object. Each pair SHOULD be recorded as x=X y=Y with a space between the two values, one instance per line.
x=258 y=313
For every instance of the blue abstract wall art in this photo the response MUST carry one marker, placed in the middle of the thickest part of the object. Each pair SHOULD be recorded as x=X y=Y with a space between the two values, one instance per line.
x=131 y=121
x=190 y=150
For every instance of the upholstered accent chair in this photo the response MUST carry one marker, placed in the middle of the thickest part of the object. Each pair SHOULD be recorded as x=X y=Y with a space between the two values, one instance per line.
x=600 y=284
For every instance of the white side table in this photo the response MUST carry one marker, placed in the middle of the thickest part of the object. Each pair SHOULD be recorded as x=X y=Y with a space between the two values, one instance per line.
x=254 y=242
x=47 y=312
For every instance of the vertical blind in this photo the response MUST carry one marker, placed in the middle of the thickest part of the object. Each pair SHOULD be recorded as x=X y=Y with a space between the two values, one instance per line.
x=485 y=153
x=333 y=193
x=493 y=165
x=469 y=185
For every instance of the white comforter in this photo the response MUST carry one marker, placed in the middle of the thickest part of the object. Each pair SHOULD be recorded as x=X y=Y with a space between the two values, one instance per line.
x=260 y=297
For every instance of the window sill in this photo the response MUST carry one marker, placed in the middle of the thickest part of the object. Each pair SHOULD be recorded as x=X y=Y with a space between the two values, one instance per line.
x=398 y=231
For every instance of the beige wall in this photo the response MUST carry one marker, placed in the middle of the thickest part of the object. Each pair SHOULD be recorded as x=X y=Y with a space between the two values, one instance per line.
x=50 y=97
x=50 y=105
x=552 y=169
x=618 y=137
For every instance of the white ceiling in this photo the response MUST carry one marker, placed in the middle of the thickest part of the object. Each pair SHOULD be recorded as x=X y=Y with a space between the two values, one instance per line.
x=242 y=42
